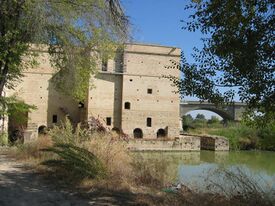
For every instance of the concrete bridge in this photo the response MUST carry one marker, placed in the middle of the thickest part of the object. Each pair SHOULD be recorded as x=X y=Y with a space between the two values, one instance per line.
x=228 y=112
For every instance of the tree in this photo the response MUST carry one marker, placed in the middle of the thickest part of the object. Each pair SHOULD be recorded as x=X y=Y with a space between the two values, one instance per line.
x=70 y=30
x=200 y=117
x=186 y=121
x=237 y=55
x=213 y=120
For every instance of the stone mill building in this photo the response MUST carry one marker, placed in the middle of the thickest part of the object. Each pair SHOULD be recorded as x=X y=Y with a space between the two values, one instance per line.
x=129 y=93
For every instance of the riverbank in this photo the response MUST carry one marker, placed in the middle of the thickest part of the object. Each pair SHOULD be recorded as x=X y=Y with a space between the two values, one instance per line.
x=44 y=186
x=240 y=136
x=99 y=164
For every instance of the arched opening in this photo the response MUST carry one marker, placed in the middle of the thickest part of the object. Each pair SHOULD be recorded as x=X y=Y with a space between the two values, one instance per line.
x=42 y=129
x=138 y=134
x=161 y=133
x=17 y=124
x=127 y=105
x=203 y=118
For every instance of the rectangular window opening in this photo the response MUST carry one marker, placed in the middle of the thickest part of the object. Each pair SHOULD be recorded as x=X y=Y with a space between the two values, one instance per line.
x=54 y=118
x=149 y=91
x=149 y=122
x=109 y=121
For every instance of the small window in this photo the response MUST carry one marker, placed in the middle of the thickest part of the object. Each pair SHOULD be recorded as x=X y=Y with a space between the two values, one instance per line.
x=104 y=64
x=54 y=118
x=149 y=122
x=109 y=121
x=149 y=91
x=80 y=105
x=127 y=105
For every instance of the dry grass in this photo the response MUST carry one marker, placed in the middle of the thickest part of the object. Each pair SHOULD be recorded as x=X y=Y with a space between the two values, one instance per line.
x=114 y=155
x=125 y=171
x=31 y=151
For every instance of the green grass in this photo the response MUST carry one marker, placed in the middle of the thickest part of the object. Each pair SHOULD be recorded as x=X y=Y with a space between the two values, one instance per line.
x=241 y=136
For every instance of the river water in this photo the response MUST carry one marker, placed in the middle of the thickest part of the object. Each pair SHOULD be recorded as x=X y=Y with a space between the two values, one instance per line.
x=196 y=168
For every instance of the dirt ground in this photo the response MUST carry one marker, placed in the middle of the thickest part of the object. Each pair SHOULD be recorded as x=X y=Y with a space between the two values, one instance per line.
x=21 y=186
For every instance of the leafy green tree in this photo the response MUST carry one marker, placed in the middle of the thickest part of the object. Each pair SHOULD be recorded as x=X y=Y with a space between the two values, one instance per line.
x=237 y=55
x=186 y=121
x=75 y=33
x=200 y=117
x=213 y=120
x=199 y=121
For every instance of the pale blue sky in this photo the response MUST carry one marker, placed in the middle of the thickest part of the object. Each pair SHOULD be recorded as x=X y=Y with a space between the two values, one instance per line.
x=158 y=22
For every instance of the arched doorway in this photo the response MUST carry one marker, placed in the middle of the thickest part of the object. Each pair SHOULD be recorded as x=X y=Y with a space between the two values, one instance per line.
x=42 y=129
x=138 y=134
x=161 y=133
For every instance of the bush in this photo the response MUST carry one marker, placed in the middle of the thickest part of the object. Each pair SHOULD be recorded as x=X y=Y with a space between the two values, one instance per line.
x=86 y=155
x=267 y=137
x=4 y=139
x=78 y=161
x=240 y=136
x=72 y=157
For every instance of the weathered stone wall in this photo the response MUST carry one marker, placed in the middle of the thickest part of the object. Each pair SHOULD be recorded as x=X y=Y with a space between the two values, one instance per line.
x=36 y=89
x=141 y=69
x=183 y=143
x=179 y=144
x=144 y=67
x=105 y=98
x=214 y=143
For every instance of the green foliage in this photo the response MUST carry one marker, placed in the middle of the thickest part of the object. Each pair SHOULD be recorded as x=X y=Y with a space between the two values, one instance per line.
x=199 y=122
x=77 y=34
x=17 y=109
x=200 y=117
x=240 y=136
x=267 y=137
x=186 y=121
x=213 y=120
x=4 y=140
x=237 y=55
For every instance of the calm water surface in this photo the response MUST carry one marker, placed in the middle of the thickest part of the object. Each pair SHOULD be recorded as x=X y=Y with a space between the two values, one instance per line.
x=192 y=168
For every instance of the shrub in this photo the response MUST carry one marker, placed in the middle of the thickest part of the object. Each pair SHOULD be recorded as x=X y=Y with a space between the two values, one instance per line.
x=240 y=136
x=4 y=139
x=267 y=137
x=72 y=156
x=89 y=155
x=78 y=161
